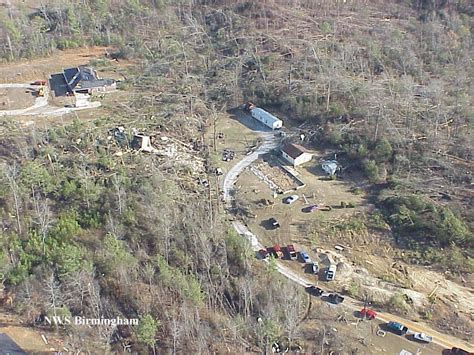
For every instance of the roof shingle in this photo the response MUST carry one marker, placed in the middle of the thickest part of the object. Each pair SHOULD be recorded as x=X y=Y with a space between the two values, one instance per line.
x=293 y=150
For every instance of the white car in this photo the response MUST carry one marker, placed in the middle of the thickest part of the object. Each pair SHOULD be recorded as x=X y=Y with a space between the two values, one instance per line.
x=423 y=337
x=290 y=199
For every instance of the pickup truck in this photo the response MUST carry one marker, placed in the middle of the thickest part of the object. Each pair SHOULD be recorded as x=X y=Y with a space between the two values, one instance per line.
x=330 y=273
x=335 y=298
x=277 y=251
x=367 y=313
x=315 y=291
x=312 y=268
x=397 y=328
x=424 y=338
x=273 y=223
x=291 y=252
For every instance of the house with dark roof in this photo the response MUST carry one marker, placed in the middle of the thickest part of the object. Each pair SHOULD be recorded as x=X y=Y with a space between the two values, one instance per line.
x=9 y=347
x=295 y=154
x=84 y=80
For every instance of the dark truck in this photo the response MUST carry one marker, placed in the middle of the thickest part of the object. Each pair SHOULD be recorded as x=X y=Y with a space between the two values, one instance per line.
x=312 y=268
x=458 y=351
x=273 y=223
x=397 y=328
x=291 y=252
x=335 y=298
x=315 y=291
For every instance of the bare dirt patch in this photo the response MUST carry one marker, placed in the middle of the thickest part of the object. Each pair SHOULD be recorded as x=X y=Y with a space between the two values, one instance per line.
x=29 y=70
x=40 y=69
x=232 y=135
x=16 y=98
x=341 y=328
x=27 y=338
x=272 y=171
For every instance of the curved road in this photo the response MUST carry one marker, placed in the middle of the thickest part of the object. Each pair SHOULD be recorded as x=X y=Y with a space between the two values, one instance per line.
x=270 y=141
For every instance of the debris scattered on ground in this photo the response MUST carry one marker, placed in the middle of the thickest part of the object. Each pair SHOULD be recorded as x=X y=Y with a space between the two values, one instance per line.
x=228 y=155
x=141 y=142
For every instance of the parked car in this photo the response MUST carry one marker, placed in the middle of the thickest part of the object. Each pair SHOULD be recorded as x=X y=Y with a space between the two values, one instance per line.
x=291 y=252
x=397 y=328
x=290 y=199
x=263 y=253
x=330 y=273
x=315 y=291
x=39 y=82
x=312 y=208
x=304 y=257
x=312 y=268
x=423 y=337
x=367 y=313
x=274 y=223
x=335 y=298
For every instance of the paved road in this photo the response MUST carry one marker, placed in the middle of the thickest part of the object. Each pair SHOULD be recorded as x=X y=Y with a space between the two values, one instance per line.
x=270 y=141
x=41 y=106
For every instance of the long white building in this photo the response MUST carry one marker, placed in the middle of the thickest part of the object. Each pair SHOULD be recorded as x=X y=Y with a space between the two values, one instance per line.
x=266 y=118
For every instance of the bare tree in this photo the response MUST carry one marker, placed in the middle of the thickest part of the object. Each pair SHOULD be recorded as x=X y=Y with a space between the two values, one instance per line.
x=12 y=174
x=43 y=217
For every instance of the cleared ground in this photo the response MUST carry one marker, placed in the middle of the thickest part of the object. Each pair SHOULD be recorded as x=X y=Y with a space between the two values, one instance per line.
x=27 y=338
x=16 y=98
x=368 y=259
x=41 y=68
x=341 y=327
x=296 y=223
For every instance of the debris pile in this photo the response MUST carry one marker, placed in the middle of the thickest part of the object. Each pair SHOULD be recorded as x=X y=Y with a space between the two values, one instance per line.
x=228 y=155
x=174 y=152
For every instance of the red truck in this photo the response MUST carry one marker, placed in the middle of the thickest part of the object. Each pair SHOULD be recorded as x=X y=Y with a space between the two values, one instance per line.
x=277 y=251
x=291 y=252
x=368 y=313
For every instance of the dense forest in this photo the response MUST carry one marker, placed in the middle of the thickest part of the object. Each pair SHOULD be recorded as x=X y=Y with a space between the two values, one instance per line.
x=388 y=84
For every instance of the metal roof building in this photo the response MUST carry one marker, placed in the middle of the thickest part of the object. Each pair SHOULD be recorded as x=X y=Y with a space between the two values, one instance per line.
x=266 y=118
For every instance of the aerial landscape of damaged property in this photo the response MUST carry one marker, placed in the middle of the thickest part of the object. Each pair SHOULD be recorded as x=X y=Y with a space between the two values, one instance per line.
x=237 y=177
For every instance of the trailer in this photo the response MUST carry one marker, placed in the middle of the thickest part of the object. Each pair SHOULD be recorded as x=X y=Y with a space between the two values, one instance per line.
x=266 y=118
x=330 y=273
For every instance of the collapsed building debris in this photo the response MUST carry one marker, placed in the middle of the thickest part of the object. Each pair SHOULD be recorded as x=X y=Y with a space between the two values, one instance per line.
x=178 y=154
x=141 y=142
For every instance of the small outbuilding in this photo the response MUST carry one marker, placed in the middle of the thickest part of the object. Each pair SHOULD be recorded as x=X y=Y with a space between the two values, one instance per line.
x=330 y=166
x=295 y=154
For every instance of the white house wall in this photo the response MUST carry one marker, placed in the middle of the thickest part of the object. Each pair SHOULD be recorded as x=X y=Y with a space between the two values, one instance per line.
x=303 y=158
x=288 y=158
